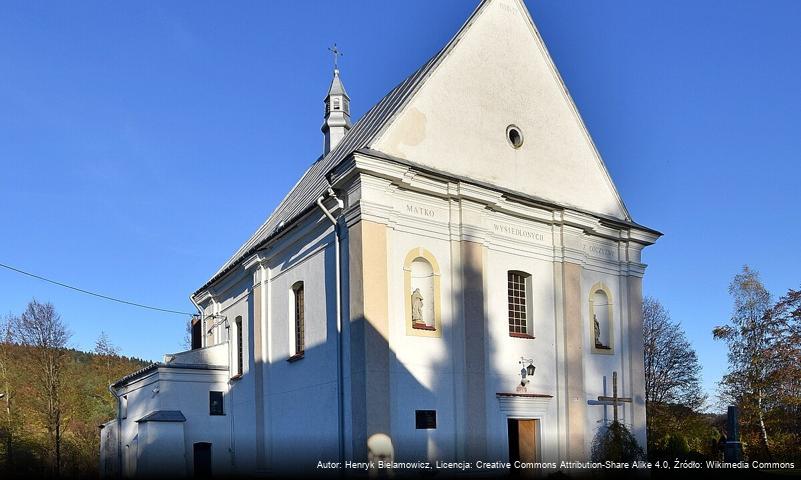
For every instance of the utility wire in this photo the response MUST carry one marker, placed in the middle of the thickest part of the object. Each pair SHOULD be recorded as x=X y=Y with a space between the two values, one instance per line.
x=93 y=293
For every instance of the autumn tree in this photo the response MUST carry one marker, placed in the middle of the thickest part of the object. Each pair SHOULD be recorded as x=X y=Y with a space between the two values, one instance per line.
x=750 y=336
x=41 y=329
x=783 y=380
x=6 y=372
x=672 y=370
x=673 y=392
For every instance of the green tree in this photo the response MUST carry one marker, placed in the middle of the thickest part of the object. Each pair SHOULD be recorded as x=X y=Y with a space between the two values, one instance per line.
x=615 y=443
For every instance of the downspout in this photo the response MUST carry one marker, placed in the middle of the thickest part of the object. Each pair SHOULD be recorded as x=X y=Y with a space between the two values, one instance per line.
x=231 y=444
x=113 y=392
x=337 y=269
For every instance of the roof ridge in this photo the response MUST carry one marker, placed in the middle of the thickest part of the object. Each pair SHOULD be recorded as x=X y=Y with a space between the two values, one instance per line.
x=364 y=132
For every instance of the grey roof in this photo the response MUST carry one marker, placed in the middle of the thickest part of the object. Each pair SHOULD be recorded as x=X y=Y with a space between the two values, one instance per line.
x=163 y=416
x=363 y=134
x=336 y=86
x=154 y=366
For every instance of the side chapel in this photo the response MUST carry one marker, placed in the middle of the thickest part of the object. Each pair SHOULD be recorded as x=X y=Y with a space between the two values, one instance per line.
x=456 y=275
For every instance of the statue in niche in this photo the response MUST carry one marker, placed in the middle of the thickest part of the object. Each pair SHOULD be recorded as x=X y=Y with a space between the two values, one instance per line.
x=417 y=306
x=597 y=327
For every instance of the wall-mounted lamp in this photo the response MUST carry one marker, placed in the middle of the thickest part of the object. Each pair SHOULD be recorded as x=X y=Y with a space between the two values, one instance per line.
x=526 y=371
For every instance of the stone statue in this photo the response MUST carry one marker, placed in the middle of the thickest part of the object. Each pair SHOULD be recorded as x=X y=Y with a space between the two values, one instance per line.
x=417 y=306
x=597 y=326
x=380 y=449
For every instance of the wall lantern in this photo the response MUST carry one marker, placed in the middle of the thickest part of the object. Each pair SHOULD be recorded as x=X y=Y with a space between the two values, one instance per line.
x=526 y=371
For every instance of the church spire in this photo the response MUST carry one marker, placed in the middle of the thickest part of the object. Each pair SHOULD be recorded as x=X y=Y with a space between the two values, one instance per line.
x=337 y=109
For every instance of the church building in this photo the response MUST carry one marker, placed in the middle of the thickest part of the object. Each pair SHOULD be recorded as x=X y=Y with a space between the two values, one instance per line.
x=455 y=278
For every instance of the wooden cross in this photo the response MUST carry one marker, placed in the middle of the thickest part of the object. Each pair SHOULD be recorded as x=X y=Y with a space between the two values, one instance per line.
x=614 y=400
x=336 y=52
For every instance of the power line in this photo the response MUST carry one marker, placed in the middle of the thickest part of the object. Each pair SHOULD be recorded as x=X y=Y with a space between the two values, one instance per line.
x=93 y=293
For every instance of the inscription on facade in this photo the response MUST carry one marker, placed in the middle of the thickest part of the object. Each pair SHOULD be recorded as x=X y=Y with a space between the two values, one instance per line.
x=419 y=211
x=519 y=232
x=599 y=251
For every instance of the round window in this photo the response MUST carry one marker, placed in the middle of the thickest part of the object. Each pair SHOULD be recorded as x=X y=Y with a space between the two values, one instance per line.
x=514 y=135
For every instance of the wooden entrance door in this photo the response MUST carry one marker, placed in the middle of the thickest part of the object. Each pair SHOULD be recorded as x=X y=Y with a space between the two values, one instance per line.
x=523 y=440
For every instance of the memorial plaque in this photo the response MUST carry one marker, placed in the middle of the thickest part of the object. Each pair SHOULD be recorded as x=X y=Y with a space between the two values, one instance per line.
x=426 y=419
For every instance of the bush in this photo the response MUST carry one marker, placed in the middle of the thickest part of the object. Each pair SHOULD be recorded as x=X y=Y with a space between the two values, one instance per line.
x=616 y=443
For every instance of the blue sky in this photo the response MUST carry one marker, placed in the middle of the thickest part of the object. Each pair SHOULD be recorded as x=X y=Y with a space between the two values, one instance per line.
x=142 y=142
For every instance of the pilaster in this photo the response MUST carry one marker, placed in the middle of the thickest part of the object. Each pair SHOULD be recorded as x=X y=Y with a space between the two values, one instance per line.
x=369 y=334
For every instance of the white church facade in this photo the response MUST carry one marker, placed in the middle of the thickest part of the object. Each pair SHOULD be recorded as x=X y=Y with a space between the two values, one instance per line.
x=456 y=275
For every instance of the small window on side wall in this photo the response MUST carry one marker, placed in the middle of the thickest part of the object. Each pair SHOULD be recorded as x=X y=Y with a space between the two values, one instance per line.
x=298 y=314
x=240 y=349
x=518 y=287
x=216 y=403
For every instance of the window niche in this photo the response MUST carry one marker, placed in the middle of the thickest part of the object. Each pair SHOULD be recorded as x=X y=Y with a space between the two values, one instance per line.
x=601 y=315
x=422 y=294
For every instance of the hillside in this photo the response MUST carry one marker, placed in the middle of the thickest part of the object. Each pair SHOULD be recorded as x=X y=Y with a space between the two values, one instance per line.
x=25 y=442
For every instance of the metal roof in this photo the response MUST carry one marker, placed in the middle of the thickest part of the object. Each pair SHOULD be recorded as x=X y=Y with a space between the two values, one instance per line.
x=363 y=134
x=163 y=416
x=154 y=366
x=336 y=86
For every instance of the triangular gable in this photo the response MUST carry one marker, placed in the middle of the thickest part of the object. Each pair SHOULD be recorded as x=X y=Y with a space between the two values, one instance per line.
x=497 y=72
x=393 y=125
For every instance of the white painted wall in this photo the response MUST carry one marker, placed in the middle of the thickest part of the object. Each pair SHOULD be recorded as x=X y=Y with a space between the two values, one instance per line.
x=151 y=450
x=422 y=370
x=498 y=74
x=301 y=396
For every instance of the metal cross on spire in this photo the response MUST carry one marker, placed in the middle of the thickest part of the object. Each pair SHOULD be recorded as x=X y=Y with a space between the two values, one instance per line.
x=337 y=53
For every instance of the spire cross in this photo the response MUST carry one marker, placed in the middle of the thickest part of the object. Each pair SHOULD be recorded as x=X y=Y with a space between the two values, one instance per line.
x=337 y=53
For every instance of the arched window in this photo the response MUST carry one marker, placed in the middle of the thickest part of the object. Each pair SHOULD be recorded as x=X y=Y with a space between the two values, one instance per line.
x=422 y=297
x=601 y=338
x=298 y=311
x=518 y=288
x=240 y=350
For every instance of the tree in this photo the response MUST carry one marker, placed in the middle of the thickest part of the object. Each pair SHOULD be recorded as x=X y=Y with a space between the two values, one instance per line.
x=672 y=370
x=5 y=387
x=783 y=385
x=187 y=340
x=107 y=350
x=104 y=347
x=615 y=443
x=750 y=336
x=40 y=328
